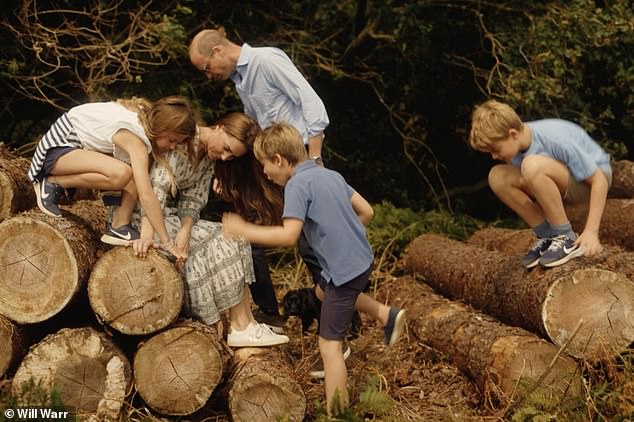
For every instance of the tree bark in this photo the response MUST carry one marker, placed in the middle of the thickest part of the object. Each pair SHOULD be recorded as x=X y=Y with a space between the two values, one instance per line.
x=502 y=360
x=549 y=302
x=12 y=346
x=176 y=371
x=616 y=223
x=132 y=295
x=88 y=371
x=262 y=386
x=516 y=242
x=16 y=191
x=44 y=261
x=622 y=179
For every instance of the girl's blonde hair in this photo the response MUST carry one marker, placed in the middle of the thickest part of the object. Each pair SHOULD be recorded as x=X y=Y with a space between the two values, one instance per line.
x=490 y=123
x=282 y=139
x=171 y=114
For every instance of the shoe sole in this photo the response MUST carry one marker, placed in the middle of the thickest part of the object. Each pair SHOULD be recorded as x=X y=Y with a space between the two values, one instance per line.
x=532 y=264
x=38 y=197
x=115 y=241
x=399 y=324
x=258 y=344
x=574 y=254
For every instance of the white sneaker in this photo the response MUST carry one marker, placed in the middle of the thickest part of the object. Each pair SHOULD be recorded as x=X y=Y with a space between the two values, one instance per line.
x=255 y=335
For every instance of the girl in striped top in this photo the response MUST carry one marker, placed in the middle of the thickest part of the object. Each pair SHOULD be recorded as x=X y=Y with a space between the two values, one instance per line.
x=106 y=146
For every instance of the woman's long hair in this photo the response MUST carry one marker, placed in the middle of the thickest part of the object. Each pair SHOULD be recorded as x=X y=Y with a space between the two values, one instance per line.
x=242 y=182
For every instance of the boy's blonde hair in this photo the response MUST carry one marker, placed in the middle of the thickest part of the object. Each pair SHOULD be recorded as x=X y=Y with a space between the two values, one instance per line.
x=490 y=123
x=282 y=139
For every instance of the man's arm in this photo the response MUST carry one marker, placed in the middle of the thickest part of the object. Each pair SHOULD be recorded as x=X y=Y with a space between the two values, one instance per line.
x=362 y=208
x=267 y=236
x=314 y=145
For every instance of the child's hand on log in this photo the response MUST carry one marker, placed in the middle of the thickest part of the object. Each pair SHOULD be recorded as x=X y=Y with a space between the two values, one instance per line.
x=141 y=246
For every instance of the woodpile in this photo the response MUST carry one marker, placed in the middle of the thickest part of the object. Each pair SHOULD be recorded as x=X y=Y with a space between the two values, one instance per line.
x=87 y=310
x=548 y=302
x=504 y=361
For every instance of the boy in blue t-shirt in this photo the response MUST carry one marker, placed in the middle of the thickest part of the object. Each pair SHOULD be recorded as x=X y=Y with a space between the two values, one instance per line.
x=332 y=215
x=548 y=162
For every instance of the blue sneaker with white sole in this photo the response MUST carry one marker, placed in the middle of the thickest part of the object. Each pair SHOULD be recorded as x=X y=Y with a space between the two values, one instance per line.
x=534 y=254
x=561 y=250
x=48 y=195
x=120 y=236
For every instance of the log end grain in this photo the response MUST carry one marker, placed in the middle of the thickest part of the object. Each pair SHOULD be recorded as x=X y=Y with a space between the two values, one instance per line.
x=176 y=371
x=135 y=296
x=38 y=271
x=262 y=387
x=89 y=372
x=600 y=302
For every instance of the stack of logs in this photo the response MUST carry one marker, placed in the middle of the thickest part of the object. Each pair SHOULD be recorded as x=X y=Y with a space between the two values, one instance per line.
x=91 y=322
x=581 y=310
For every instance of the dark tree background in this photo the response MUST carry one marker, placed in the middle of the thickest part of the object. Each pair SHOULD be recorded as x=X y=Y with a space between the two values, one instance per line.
x=399 y=78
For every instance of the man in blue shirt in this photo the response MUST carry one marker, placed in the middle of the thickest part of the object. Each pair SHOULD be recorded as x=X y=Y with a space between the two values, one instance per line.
x=272 y=90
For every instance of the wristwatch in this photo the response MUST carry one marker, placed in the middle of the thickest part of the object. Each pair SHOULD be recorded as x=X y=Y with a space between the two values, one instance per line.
x=316 y=158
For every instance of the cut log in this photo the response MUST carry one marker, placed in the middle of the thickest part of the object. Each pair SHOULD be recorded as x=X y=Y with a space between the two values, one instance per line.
x=133 y=295
x=549 y=302
x=622 y=179
x=503 y=361
x=16 y=191
x=176 y=371
x=44 y=261
x=89 y=372
x=262 y=386
x=516 y=243
x=12 y=346
x=616 y=223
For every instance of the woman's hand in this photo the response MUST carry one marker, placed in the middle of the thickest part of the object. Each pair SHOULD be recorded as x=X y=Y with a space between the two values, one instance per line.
x=182 y=239
x=174 y=250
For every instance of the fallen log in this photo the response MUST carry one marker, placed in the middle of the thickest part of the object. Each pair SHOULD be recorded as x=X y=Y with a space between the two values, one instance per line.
x=516 y=243
x=176 y=371
x=16 y=191
x=132 y=295
x=91 y=375
x=616 y=224
x=550 y=303
x=12 y=346
x=504 y=361
x=44 y=261
x=622 y=179
x=262 y=386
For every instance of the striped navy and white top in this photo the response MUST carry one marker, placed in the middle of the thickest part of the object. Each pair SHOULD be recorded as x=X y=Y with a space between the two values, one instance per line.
x=89 y=126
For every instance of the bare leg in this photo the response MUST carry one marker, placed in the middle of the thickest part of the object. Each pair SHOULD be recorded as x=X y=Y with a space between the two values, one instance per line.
x=240 y=315
x=547 y=179
x=89 y=169
x=335 y=372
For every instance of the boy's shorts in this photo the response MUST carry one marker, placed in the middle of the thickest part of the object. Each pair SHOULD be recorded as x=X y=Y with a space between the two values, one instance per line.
x=52 y=155
x=579 y=192
x=338 y=305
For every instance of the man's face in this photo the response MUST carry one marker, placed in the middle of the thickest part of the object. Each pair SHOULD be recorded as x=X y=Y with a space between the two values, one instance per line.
x=215 y=65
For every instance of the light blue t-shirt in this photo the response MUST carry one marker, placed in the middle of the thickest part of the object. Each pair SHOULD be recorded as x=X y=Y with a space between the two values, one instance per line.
x=321 y=199
x=569 y=143
x=273 y=90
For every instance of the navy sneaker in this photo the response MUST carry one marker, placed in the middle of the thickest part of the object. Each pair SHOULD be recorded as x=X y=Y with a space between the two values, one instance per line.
x=394 y=326
x=535 y=252
x=561 y=250
x=48 y=195
x=119 y=236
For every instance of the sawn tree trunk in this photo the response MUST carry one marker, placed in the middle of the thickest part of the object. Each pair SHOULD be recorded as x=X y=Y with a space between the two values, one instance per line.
x=551 y=302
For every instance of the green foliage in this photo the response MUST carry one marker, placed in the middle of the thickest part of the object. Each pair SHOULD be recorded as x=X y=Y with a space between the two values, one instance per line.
x=392 y=228
x=373 y=403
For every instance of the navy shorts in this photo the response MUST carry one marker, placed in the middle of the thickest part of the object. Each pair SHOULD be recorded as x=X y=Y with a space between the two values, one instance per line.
x=52 y=155
x=338 y=305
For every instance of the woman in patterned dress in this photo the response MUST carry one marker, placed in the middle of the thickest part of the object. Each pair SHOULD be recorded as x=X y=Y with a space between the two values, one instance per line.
x=218 y=268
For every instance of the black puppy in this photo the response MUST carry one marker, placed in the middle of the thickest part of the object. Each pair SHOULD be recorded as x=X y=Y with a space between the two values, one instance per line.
x=303 y=303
